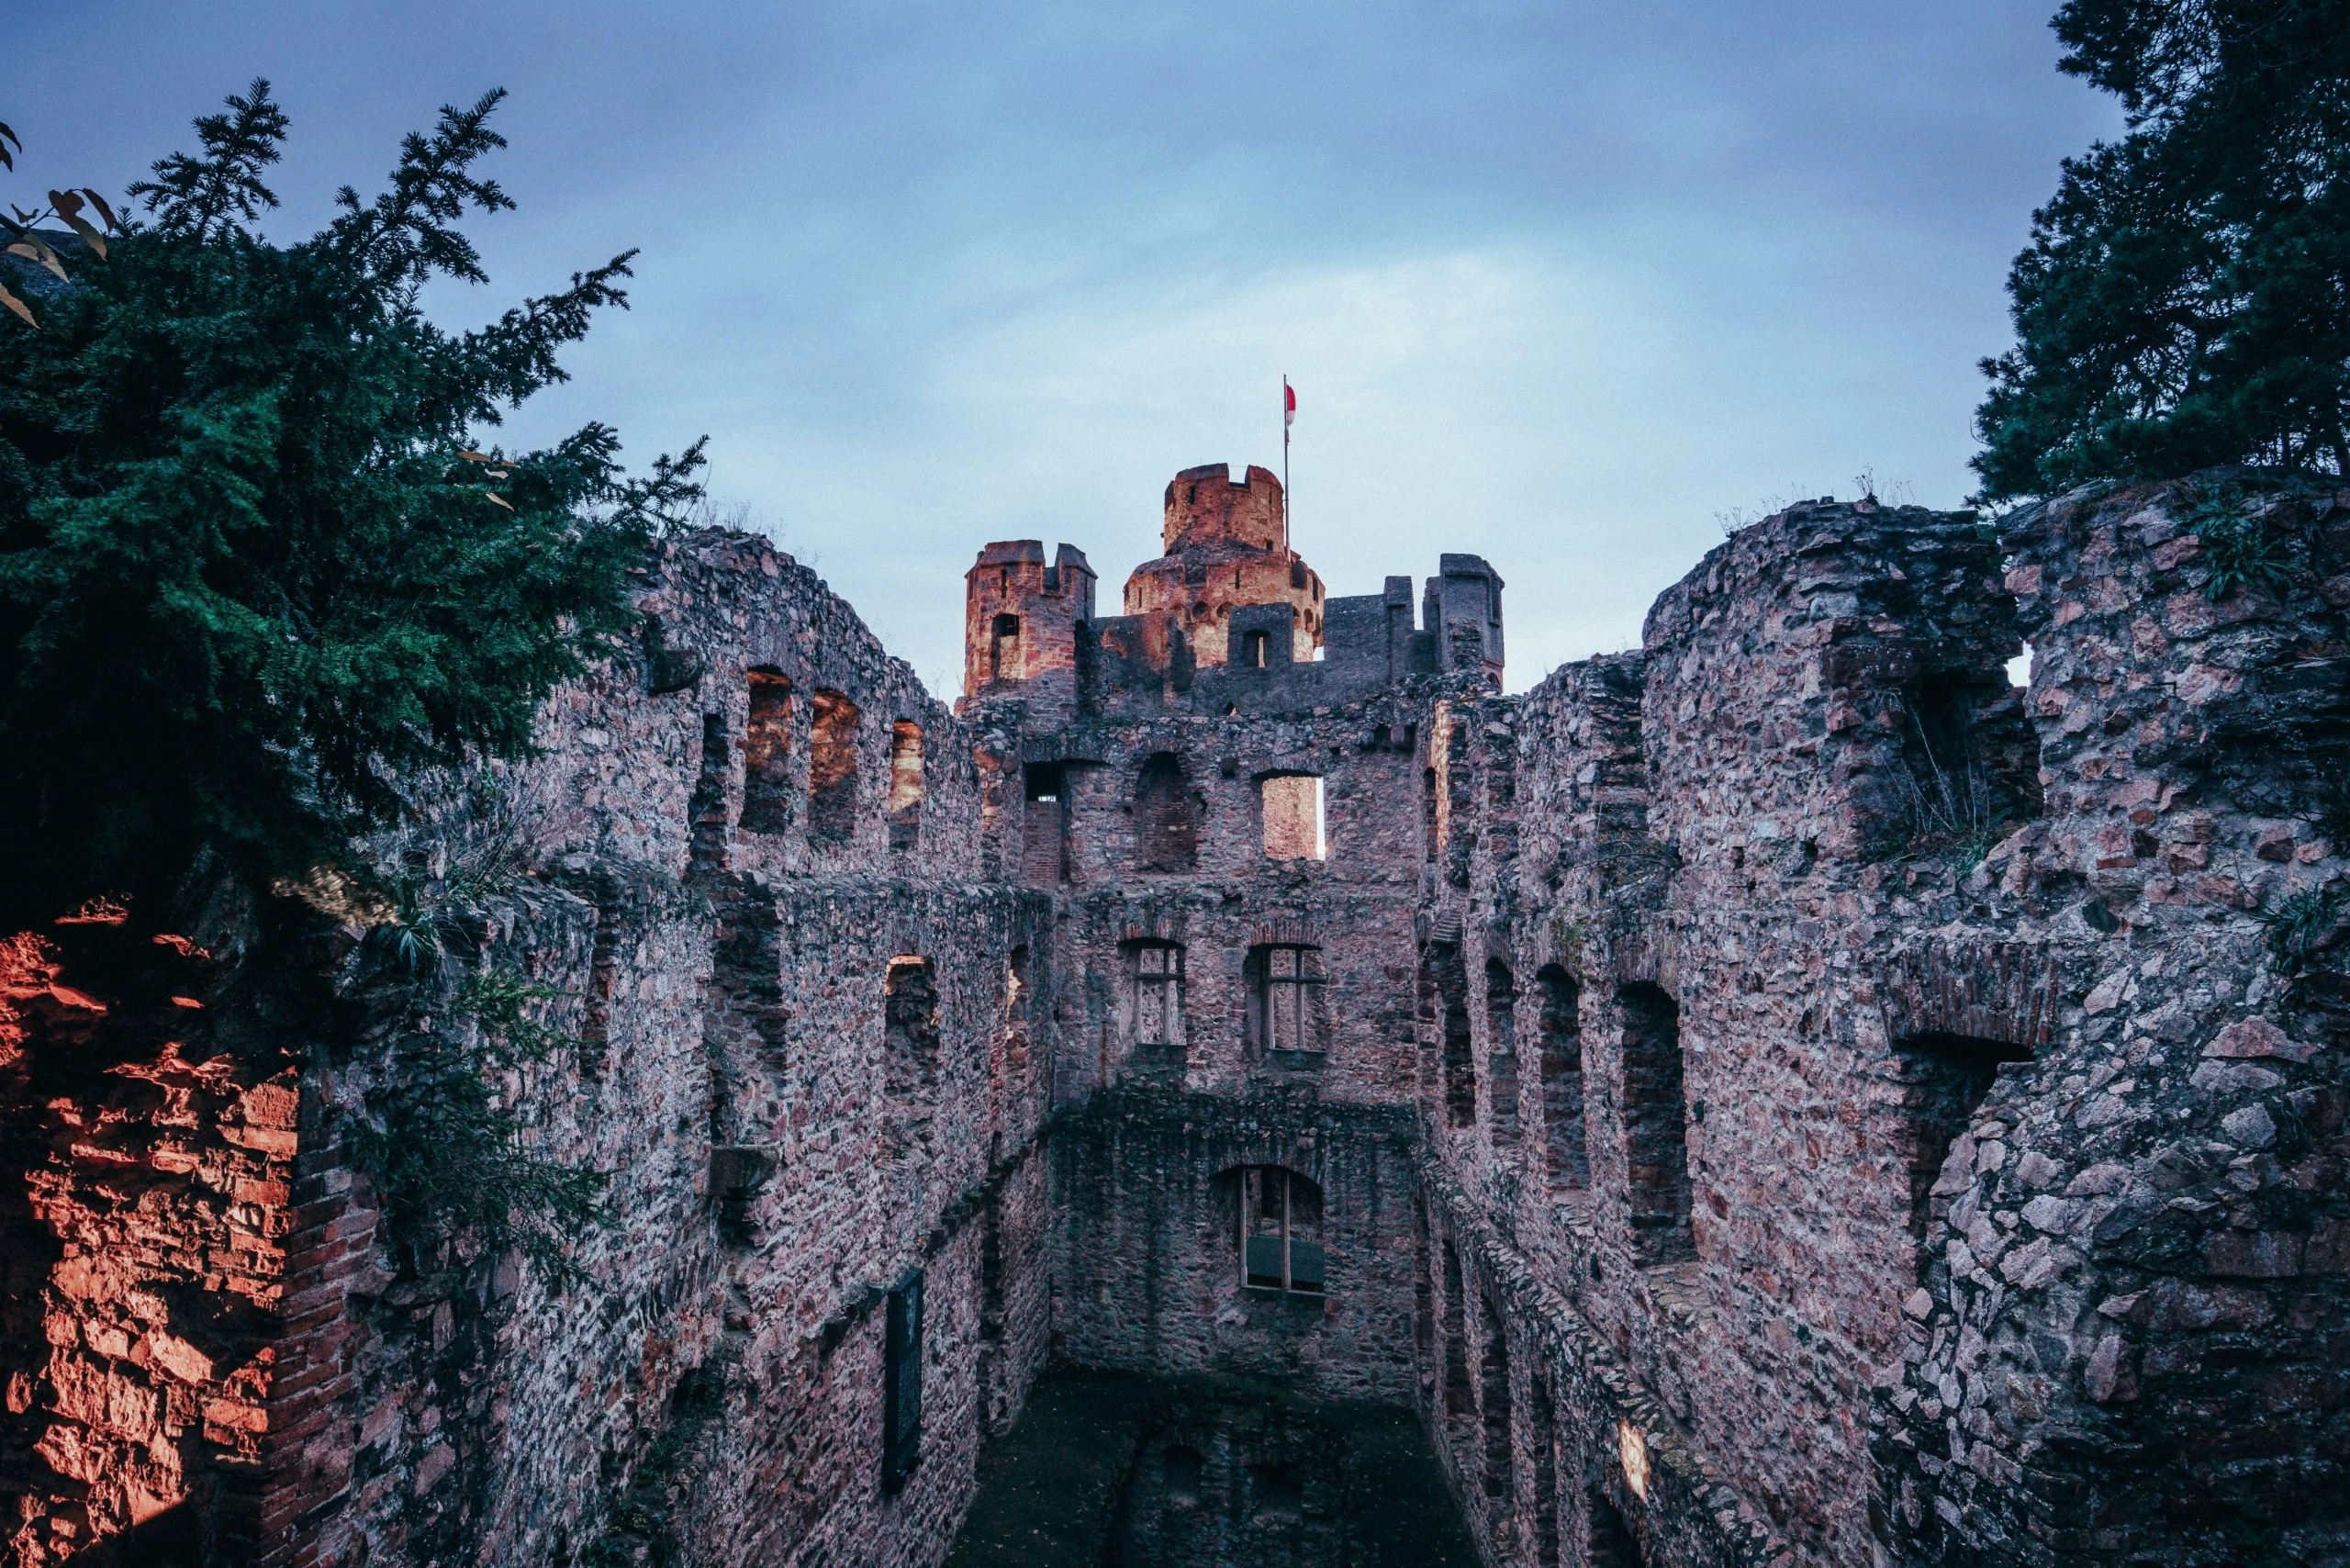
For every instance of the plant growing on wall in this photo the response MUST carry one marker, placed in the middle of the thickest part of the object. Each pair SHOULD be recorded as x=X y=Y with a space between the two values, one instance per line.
x=257 y=561
x=2186 y=299
x=449 y=1156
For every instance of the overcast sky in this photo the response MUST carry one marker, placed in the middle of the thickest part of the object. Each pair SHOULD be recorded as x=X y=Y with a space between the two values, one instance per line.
x=1557 y=283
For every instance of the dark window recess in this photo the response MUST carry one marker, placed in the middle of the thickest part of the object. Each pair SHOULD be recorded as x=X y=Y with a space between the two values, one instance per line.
x=1656 y=1128
x=1157 y=972
x=1501 y=1049
x=1280 y=1228
x=1428 y=845
x=1276 y=1494
x=1611 y=1544
x=1004 y=649
x=993 y=1397
x=832 y=767
x=1459 y=1398
x=1566 y=1161
x=902 y=1382
x=1044 y=857
x=1166 y=817
x=1452 y=1016
x=905 y=784
x=1546 y=1471
x=766 y=755
x=1288 y=1015
x=1943 y=1080
x=1252 y=650
x=707 y=808
x=736 y=1175
x=1973 y=755
x=909 y=1040
x=1181 y=1464
x=1501 y=1469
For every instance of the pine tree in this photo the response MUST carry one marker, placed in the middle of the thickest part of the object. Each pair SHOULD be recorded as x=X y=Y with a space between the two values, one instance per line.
x=2186 y=299
x=257 y=563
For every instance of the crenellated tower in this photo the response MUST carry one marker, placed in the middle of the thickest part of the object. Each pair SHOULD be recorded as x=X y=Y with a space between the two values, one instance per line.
x=1226 y=545
x=1020 y=616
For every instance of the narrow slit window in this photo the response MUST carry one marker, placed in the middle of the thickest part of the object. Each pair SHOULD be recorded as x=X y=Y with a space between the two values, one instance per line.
x=1280 y=1223
x=902 y=1382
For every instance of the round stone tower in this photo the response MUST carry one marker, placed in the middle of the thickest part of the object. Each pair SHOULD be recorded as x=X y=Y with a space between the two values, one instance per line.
x=1226 y=545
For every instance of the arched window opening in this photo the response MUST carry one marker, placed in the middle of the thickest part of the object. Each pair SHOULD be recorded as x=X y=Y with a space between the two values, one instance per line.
x=1292 y=812
x=1943 y=1080
x=1501 y=1460
x=1167 y=828
x=905 y=784
x=1452 y=1020
x=832 y=767
x=1656 y=1128
x=1004 y=649
x=1288 y=1015
x=1501 y=1049
x=1155 y=986
x=1280 y=1227
x=1566 y=1155
x=766 y=754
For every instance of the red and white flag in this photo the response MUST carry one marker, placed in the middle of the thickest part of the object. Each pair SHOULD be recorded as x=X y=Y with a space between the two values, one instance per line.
x=1289 y=404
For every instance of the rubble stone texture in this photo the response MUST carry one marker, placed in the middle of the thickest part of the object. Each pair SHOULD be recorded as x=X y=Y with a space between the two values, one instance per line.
x=1786 y=1095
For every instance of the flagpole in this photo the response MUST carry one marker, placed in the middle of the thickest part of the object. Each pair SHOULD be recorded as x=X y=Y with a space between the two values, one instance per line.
x=1286 y=508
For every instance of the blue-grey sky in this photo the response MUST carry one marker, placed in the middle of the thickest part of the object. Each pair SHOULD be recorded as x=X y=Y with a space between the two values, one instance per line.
x=1558 y=283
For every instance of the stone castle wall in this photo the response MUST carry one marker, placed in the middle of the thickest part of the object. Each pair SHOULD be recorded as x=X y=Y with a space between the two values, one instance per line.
x=1784 y=1095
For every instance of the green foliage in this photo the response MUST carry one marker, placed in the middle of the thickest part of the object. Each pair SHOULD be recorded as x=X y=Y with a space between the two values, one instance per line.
x=2300 y=925
x=255 y=566
x=2186 y=300
x=500 y=1000
x=2237 y=546
x=450 y=1158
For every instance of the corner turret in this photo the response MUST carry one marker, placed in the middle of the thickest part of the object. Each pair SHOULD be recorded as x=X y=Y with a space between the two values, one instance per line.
x=1020 y=616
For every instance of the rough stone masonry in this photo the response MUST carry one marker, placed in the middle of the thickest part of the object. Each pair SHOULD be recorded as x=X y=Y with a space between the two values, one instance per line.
x=1783 y=1096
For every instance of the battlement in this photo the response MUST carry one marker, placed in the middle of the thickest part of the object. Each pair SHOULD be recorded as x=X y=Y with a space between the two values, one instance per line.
x=1204 y=506
x=1020 y=614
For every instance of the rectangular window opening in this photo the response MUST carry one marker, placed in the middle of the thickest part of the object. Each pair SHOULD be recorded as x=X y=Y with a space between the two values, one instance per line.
x=1292 y=812
x=1288 y=1013
x=1281 y=1227
x=1156 y=971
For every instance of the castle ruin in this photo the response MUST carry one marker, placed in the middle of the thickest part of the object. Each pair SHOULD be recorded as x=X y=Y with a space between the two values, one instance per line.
x=1240 y=1089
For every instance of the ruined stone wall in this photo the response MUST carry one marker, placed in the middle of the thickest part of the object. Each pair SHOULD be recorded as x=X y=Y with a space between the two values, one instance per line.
x=811 y=1052
x=1944 y=1063
x=1148 y=1247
